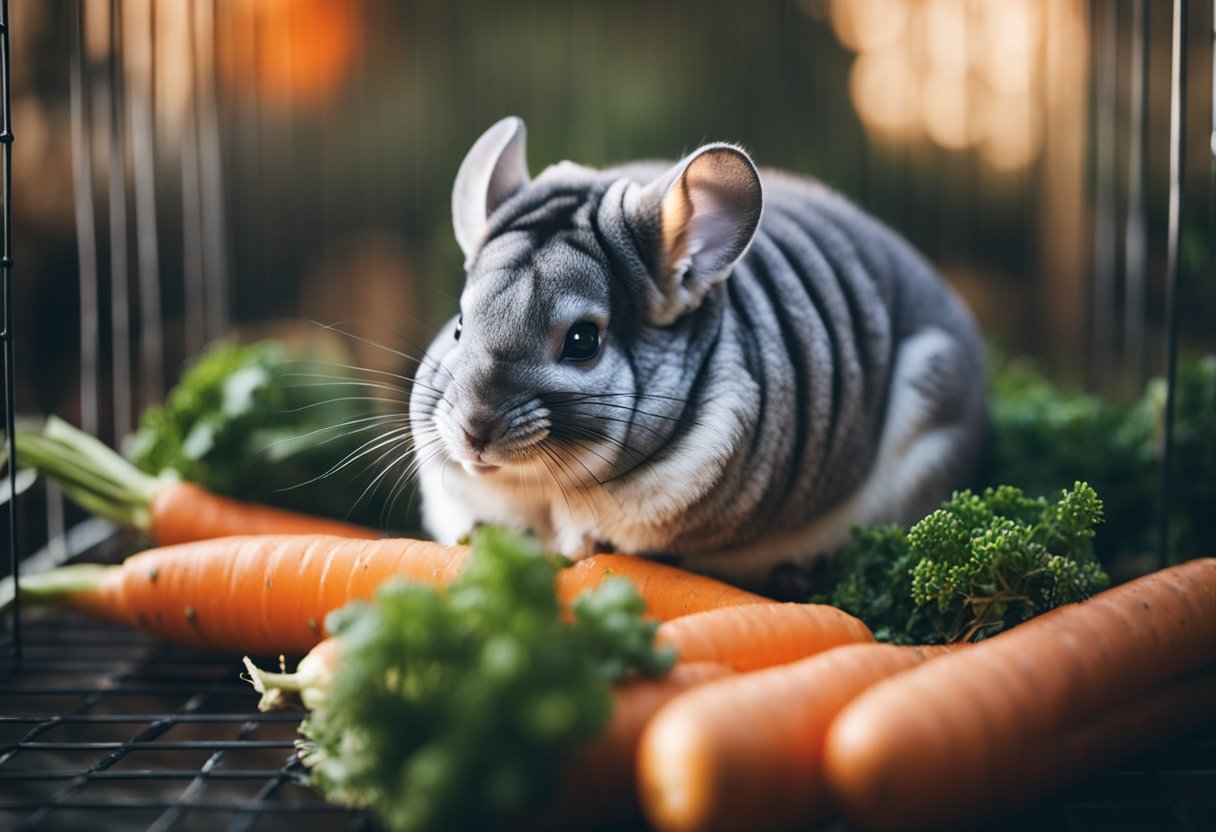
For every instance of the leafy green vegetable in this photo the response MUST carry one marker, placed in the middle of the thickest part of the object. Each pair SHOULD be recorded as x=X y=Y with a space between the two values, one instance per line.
x=257 y=423
x=1044 y=437
x=976 y=566
x=457 y=710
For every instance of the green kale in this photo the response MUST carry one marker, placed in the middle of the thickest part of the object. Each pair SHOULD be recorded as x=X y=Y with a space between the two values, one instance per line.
x=456 y=710
x=257 y=423
x=978 y=565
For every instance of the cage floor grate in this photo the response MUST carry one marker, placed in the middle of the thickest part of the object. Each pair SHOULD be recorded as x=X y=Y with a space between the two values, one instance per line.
x=105 y=729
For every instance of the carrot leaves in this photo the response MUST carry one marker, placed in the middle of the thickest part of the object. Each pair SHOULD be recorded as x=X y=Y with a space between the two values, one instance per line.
x=457 y=709
x=266 y=423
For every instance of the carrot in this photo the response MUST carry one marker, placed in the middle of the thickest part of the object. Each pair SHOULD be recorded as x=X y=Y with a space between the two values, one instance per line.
x=599 y=787
x=751 y=637
x=749 y=747
x=269 y=594
x=947 y=742
x=669 y=592
x=182 y=512
x=166 y=509
x=264 y=594
x=1165 y=713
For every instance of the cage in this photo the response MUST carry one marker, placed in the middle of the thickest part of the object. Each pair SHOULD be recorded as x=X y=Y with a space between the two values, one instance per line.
x=200 y=170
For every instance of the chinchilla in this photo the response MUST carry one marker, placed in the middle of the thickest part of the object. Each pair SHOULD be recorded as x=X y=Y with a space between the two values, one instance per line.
x=701 y=360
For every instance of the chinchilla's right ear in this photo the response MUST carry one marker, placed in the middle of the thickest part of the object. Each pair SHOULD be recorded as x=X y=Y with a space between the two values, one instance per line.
x=695 y=222
x=494 y=169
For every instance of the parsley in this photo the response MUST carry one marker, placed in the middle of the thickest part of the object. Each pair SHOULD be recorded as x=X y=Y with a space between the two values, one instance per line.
x=978 y=565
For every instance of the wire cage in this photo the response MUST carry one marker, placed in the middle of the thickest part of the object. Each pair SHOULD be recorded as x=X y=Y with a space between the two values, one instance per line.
x=101 y=728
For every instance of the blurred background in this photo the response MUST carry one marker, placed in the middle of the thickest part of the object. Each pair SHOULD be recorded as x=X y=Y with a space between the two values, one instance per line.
x=188 y=170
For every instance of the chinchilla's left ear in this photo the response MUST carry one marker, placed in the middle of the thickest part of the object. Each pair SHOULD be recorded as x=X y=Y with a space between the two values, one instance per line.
x=697 y=220
x=494 y=170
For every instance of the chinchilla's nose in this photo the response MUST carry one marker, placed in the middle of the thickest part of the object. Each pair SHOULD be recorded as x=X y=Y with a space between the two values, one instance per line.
x=478 y=431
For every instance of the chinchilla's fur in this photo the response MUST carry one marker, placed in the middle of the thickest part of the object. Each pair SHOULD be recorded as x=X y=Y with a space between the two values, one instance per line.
x=773 y=365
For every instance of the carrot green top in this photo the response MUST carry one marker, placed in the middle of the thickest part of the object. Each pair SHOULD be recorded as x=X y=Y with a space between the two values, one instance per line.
x=91 y=473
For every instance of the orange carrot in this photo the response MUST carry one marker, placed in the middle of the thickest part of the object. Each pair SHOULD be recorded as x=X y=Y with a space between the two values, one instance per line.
x=750 y=747
x=263 y=594
x=948 y=742
x=599 y=786
x=751 y=637
x=166 y=509
x=182 y=512
x=269 y=594
x=669 y=592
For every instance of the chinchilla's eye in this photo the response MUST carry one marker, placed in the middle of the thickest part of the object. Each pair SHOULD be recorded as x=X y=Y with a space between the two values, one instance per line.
x=459 y=326
x=582 y=342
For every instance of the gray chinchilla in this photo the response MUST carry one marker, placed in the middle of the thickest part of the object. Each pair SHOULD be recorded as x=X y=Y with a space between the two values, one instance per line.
x=703 y=360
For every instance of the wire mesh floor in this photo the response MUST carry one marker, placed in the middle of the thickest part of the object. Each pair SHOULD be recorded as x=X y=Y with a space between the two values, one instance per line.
x=104 y=729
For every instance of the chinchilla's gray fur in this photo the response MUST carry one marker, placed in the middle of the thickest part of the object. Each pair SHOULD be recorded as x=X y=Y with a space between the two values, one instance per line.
x=774 y=367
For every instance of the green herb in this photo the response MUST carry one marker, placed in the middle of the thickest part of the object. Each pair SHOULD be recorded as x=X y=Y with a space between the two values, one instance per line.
x=978 y=565
x=1045 y=437
x=258 y=423
x=457 y=710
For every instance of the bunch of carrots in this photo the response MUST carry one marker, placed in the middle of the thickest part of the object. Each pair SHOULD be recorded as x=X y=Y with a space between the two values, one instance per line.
x=796 y=714
x=777 y=715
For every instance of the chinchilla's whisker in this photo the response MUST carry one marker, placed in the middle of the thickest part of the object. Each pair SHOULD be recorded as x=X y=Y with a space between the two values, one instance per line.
x=584 y=448
x=574 y=395
x=392 y=437
x=371 y=486
x=573 y=434
x=342 y=399
x=369 y=446
x=373 y=343
x=592 y=432
x=337 y=381
x=405 y=480
x=617 y=470
x=591 y=507
x=571 y=476
x=561 y=487
x=361 y=369
x=336 y=378
x=636 y=410
x=658 y=434
x=348 y=426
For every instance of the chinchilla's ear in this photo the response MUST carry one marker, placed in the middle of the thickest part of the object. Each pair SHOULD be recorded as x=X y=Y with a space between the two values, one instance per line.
x=697 y=220
x=494 y=169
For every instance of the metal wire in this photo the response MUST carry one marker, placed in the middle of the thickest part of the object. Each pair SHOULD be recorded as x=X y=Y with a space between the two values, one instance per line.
x=6 y=333
x=144 y=735
x=1177 y=182
x=1135 y=240
x=86 y=232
